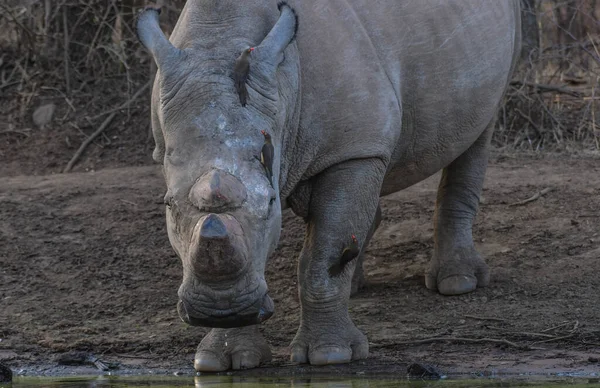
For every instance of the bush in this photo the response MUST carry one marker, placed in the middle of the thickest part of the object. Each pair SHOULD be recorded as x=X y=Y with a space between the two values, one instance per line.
x=85 y=53
x=551 y=102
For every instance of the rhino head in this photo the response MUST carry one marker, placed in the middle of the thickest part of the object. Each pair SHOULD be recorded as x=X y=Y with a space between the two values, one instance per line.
x=223 y=214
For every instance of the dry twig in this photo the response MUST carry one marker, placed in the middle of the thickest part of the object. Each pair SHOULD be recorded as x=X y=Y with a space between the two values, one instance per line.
x=555 y=339
x=485 y=318
x=547 y=88
x=7 y=84
x=521 y=333
x=135 y=356
x=102 y=127
x=92 y=46
x=23 y=133
x=424 y=341
x=66 y=51
x=534 y=197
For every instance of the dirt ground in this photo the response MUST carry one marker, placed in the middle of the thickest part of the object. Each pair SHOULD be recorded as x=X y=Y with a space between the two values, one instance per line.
x=85 y=264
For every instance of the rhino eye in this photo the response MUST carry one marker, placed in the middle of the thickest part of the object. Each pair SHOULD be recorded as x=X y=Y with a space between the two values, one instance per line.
x=271 y=202
x=272 y=197
x=168 y=200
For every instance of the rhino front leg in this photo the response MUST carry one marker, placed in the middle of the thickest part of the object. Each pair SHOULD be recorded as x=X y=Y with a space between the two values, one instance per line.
x=358 y=279
x=343 y=203
x=456 y=267
x=238 y=348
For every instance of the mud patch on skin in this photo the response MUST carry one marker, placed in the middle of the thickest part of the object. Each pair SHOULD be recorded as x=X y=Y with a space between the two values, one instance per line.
x=86 y=265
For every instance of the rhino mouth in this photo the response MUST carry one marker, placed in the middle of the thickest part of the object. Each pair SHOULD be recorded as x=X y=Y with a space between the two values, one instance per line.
x=258 y=312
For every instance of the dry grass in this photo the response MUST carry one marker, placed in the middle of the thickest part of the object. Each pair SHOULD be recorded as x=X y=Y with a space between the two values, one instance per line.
x=83 y=57
x=552 y=102
x=67 y=50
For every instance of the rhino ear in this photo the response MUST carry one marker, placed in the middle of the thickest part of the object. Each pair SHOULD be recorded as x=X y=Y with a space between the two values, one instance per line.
x=159 y=141
x=152 y=37
x=283 y=33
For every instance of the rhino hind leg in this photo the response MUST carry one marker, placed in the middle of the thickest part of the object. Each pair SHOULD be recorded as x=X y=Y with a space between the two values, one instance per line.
x=456 y=267
x=358 y=279
x=238 y=348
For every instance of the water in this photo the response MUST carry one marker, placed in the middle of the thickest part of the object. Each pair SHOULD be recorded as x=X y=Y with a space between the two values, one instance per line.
x=280 y=382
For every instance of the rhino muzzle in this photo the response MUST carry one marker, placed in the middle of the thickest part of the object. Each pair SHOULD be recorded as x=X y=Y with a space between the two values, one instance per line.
x=217 y=252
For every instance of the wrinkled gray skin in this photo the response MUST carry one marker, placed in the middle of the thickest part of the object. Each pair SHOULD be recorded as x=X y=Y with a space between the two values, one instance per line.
x=370 y=98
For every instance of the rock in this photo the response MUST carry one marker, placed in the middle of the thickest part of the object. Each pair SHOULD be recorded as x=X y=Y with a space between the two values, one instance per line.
x=423 y=371
x=43 y=115
x=593 y=360
x=83 y=358
x=5 y=374
x=73 y=358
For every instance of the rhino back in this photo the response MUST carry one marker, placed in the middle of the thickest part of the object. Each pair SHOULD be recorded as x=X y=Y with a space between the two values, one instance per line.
x=412 y=82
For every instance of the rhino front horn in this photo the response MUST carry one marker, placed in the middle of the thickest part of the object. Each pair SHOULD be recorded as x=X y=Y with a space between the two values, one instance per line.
x=216 y=253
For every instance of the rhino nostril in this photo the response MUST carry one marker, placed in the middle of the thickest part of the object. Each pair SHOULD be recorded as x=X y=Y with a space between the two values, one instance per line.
x=168 y=199
x=212 y=227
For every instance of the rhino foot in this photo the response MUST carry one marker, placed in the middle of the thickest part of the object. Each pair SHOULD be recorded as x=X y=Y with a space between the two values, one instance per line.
x=337 y=344
x=238 y=348
x=461 y=271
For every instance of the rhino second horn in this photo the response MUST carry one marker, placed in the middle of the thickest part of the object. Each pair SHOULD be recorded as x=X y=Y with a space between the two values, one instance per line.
x=218 y=190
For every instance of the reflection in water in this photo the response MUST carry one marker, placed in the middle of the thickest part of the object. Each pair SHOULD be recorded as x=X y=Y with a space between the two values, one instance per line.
x=212 y=381
x=296 y=382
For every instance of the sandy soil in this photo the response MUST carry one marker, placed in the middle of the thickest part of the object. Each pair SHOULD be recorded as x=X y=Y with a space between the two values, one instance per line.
x=85 y=264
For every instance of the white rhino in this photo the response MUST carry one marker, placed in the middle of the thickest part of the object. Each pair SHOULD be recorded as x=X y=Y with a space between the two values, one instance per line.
x=361 y=98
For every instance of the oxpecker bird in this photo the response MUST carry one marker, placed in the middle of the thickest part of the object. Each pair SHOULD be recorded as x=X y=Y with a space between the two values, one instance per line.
x=266 y=155
x=240 y=74
x=348 y=254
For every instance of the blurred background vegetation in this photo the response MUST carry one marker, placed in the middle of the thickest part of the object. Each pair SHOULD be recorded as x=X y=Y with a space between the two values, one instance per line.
x=74 y=83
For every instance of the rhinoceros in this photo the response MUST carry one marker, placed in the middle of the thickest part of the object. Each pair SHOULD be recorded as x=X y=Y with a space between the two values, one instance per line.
x=361 y=99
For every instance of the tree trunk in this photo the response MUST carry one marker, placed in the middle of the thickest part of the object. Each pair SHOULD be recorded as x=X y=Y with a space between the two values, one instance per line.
x=529 y=28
